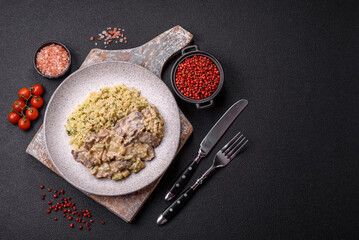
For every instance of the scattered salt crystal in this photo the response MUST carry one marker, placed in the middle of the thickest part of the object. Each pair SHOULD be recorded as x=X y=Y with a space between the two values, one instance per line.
x=110 y=33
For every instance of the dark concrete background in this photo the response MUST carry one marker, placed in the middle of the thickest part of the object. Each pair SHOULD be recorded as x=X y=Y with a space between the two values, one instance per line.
x=295 y=61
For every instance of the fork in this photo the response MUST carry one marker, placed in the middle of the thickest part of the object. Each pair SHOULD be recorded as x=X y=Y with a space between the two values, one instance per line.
x=222 y=158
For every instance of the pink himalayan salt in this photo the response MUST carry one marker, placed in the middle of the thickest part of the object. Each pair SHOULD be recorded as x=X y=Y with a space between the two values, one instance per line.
x=52 y=60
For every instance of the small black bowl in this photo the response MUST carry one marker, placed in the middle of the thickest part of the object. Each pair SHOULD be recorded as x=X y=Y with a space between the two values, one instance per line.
x=187 y=52
x=44 y=45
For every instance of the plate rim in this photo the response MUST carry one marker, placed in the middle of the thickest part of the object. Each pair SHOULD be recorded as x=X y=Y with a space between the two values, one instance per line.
x=45 y=135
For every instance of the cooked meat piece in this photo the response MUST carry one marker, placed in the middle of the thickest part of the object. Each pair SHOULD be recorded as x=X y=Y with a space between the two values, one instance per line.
x=103 y=174
x=118 y=129
x=75 y=153
x=95 y=157
x=150 y=153
x=130 y=126
x=104 y=170
x=148 y=138
x=83 y=157
x=119 y=165
x=140 y=150
x=105 y=157
x=92 y=138
x=113 y=152
x=89 y=141
x=101 y=134
x=116 y=138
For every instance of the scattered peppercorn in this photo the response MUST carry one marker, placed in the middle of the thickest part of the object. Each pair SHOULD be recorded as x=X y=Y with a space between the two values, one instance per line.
x=66 y=206
x=197 y=77
x=42 y=186
x=102 y=222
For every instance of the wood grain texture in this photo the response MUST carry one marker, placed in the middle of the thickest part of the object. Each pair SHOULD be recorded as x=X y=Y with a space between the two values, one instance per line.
x=152 y=55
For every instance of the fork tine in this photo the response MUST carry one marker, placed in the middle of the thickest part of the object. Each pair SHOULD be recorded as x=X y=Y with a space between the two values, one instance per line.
x=233 y=145
x=230 y=142
x=238 y=150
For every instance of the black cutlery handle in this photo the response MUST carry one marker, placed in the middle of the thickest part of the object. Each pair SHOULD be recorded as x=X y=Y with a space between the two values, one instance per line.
x=181 y=181
x=173 y=209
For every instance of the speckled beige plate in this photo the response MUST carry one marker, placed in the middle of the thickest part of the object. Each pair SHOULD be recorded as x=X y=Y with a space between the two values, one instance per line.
x=74 y=89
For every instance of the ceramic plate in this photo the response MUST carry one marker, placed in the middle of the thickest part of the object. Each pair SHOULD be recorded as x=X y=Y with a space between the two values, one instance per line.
x=74 y=89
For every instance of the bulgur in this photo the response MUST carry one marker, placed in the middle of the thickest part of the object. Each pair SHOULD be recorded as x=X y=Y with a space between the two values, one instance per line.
x=101 y=110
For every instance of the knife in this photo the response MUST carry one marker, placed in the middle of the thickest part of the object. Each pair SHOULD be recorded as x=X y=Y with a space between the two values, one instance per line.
x=207 y=144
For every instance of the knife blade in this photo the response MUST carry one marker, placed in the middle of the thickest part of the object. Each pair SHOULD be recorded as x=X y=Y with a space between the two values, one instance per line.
x=221 y=126
x=207 y=144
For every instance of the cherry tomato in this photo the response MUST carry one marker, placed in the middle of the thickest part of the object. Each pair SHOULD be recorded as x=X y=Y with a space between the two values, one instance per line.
x=18 y=105
x=24 y=123
x=24 y=94
x=13 y=117
x=37 y=90
x=37 y=101
x=32 y=113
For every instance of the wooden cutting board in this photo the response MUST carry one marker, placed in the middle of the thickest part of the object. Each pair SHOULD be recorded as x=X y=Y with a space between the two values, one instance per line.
x=152 y=55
